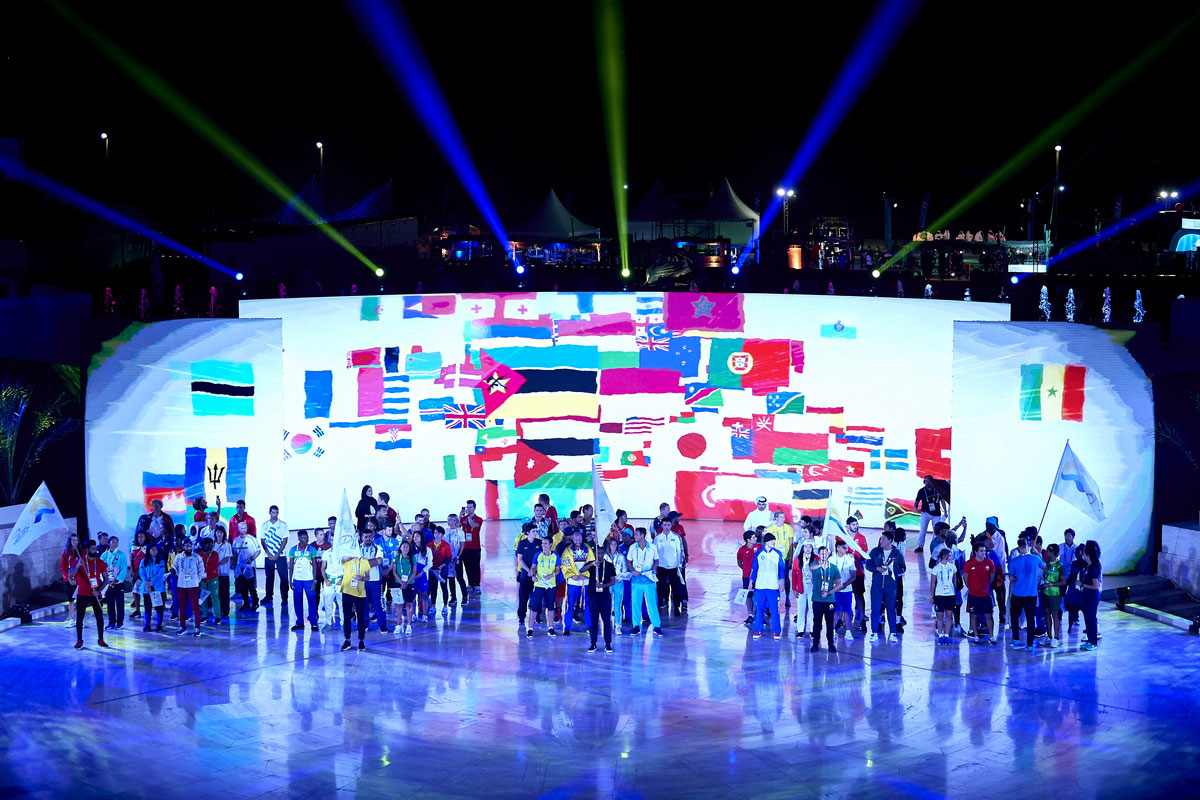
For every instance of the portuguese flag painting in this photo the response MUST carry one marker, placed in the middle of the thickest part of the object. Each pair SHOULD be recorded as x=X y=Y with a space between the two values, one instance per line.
x=1052 y=391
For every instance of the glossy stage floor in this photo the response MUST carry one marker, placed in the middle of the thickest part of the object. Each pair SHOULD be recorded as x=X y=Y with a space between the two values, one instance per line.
x=467 y=708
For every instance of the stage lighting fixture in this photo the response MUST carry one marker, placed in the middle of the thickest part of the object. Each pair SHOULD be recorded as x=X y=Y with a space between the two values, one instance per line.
x=624 y=272
x=238 y=277
x=1062 y=188
x=379 y=272
x=1163 y=195
x=780 y=192
x=104 y=136
x=319 y=145
x=874 y=273
x=895 y=205
x=520 y=269
x=624 y=185
x=1174 y=195
x=736 y=269
x=1013 y=280
x=1058 y=148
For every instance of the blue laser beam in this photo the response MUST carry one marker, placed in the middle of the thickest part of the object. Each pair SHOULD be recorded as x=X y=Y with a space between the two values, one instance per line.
x=887 y=22
x=387 y=27
x=48 y=186
x=1120 y=226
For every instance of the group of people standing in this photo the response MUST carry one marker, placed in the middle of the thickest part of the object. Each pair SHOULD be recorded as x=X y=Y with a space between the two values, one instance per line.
x=573 y=578
x=625 y=578
x=825 y=574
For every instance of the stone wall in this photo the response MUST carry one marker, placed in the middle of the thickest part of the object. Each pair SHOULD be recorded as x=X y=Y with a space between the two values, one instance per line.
x=32 y=571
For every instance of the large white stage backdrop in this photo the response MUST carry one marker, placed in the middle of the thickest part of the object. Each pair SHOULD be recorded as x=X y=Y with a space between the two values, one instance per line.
x=1021 y=391
x=179 y=410
x=701 y=400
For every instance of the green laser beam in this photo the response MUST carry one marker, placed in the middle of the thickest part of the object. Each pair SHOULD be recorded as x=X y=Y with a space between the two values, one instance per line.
x=181 y=107
x=611 y=68
x=1044 y=140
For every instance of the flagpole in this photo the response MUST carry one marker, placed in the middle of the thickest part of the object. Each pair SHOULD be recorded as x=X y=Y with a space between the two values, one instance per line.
x=1052 y=484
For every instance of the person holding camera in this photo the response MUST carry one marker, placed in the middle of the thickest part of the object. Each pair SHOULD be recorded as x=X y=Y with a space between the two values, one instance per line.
x=472 y=527
x=932 y=507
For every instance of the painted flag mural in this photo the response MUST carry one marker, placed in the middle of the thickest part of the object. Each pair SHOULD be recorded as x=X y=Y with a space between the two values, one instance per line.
x=222 y=388
x=1052 y=392
x=700 y=399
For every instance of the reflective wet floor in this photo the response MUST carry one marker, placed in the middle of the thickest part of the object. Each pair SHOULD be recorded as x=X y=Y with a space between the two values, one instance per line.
x=466 y=707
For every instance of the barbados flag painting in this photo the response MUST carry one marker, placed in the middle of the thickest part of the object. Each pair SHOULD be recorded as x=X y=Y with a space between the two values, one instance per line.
x=222 y=388
x=1052 y=392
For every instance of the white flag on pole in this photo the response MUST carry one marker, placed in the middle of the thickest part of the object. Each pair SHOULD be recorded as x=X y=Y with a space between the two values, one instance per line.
x=1073 y=484
x=40 y=516
x=344 y=539
x=606 y=515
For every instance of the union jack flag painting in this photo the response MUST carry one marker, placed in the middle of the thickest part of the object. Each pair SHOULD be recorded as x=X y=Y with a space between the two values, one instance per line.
x=739 y=431
x=653 y=337
x=464 y=416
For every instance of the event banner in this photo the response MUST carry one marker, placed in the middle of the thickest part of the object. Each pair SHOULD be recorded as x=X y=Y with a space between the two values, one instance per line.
x=1022 y=390
x=180 y=410
x=701 y=400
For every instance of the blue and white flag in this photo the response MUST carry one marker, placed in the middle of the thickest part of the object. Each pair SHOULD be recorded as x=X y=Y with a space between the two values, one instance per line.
x=40 y=516
x=1073 y=484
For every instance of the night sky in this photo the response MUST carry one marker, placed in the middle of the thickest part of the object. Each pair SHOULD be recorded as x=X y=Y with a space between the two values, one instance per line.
x=713 y=91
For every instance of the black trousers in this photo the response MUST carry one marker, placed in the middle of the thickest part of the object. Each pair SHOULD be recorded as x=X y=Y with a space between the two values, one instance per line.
x=600 y=606
x=82 y=604
x=461 y=579
x=670 y=587
x=354 y=608
x=115 y=600
x=1019 y=605
x=470 y=560
x=223 y=594
x=899 y=595
x=1000 y=595
x=524 y=589
x=248 y=589
x=823 y=611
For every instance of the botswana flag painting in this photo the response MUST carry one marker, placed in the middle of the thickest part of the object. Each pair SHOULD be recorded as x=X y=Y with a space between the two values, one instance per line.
x=222 y=388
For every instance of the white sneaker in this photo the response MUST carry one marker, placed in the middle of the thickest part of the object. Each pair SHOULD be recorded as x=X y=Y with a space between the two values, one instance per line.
x=408 y=629
x=874 y=637
x=1054 y=642
x=848 y=636
x=893 y=638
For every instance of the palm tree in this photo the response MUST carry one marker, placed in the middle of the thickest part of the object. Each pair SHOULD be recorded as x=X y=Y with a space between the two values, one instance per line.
x=31 y=420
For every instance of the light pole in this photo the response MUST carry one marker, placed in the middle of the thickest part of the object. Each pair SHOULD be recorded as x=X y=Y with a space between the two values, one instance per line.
x=104 y=138
x=786 y=194
x=321 y=178
x=1054 y=200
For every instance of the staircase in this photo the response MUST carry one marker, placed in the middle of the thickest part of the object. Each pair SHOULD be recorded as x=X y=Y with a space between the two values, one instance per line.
x=1154 y=592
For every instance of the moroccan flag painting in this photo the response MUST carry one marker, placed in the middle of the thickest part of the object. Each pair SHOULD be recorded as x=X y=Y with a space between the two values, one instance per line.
x=688 y=311
x=1052 y=392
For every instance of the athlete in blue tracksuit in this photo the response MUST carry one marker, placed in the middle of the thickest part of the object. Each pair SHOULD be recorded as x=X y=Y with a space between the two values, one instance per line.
x=768 y=563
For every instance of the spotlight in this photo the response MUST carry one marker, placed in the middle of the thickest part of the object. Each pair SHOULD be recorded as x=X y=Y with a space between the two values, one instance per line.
x=105 y=136
x=1174 y=195
x=895 y=205
x=1013 y=280
x=1163 y=195
x=319 y=145
x=736 y=269
x=1062 y=188
x=624 y=185
x=791 y=193
x=625 y=272
x=1122 y=597
x=379 y=272
x=1058 y=148
x=780 y=192
x=520 y=269
x=874 y=273
x=238 y=276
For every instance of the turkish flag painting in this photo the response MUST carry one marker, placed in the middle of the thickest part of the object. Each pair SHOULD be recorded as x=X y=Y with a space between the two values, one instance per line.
x=835 y=471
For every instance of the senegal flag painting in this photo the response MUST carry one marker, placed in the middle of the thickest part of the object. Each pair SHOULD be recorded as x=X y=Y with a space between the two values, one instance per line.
x=1052 y=391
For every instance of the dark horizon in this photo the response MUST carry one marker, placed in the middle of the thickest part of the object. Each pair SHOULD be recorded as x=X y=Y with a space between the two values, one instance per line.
x=961 y=92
